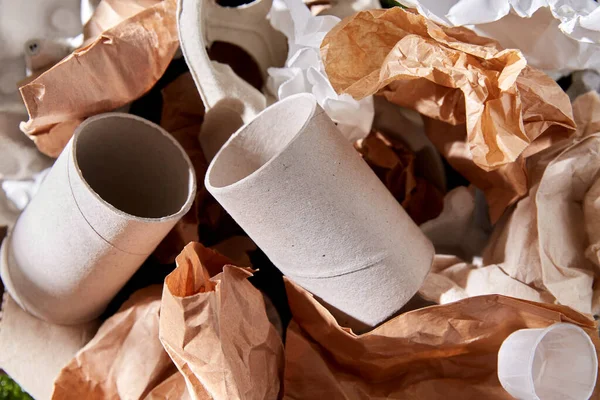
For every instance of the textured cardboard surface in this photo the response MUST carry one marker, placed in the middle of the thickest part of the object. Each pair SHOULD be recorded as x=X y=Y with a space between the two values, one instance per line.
x=202 y=22
x=305 y=196
x=117 y=189
x=33 y=351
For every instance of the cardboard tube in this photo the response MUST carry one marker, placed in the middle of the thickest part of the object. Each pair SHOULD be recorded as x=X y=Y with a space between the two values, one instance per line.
x=113 y=194
x=308 y=200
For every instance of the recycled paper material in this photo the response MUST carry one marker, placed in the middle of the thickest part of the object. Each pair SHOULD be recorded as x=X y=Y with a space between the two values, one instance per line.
x=394 y=164
x=306 y=198
x=570 y=29
x=34 y=351
x=437 y=352
x=107 y=207
x=550 y=240
x=304 y=73
x=502 y=187
x=125 y=360
x=449 y=74
x=407 y=126
x=225 y=95
x=214 y=326
x=451 y=280
x=117 y=67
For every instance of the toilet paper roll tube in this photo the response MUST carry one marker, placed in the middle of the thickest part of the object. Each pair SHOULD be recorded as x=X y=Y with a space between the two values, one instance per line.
x=116 y=190
x=308 y=200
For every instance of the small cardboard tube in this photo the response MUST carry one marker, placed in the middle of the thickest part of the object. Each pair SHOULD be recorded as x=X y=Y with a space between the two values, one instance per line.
x=304 y=195
x=113 y=194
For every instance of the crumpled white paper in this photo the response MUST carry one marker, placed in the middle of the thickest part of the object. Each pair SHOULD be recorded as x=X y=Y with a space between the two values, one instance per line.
x=557 y=36
x=16 y=194
x=304 y=71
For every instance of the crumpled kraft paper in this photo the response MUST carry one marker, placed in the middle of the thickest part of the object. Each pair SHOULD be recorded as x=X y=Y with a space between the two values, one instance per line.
x=117 y=67
x=451 y=280
x=570 y=29
x=214 y=326
x=437 y=352
x=502 y=187
x=125 y=360
x=449 y=74
x=394 y=165
x=551 y=239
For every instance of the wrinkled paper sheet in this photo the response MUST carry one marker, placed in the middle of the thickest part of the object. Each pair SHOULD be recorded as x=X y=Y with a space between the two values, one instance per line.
x=304 y=73
x=557 y=36
x=547 y=248
x=115 y=68
x=214 y=325
x=450 y=74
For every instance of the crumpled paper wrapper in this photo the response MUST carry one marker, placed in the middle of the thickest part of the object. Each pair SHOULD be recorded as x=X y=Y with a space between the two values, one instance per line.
x=125 y=360
x=546 y=248
x=394 y=164
x=438 y=352
x=449 y=74
x=118 y=66
x=570 y=30
x=550 y=241
x=214 y=326
x=452 y=279
x=502 y=187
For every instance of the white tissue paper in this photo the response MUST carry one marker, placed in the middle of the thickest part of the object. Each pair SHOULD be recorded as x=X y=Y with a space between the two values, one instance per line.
x=557 y=36
x=304 y=71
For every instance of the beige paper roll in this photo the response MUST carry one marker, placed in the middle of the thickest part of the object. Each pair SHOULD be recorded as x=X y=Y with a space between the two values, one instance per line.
x=116 y=190
x=308 y=200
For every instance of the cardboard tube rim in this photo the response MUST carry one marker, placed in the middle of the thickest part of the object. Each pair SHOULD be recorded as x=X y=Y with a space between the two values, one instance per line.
x=264 y=114
x=192 y=184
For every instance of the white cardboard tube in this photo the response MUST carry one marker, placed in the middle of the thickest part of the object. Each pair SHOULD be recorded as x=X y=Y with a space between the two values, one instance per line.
x=116 y=190
x=308 y=200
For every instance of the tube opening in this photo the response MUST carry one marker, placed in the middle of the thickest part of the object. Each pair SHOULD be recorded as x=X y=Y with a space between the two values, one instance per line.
x=564 y=364
x=133 y=165
x=259 y=142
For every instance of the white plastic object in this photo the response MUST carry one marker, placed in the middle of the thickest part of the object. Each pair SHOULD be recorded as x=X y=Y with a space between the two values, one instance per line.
x=304 y=195
x=555 y=363
x=114 y=193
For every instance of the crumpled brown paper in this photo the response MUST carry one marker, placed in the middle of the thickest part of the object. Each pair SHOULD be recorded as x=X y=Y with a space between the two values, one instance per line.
x=437 y=352
x=394 y=164
x=449 y=74
x=125 y=360
x=502 y=187
x=550 y=241
x=214 y=326
x=451 y=279
x=117 y=67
